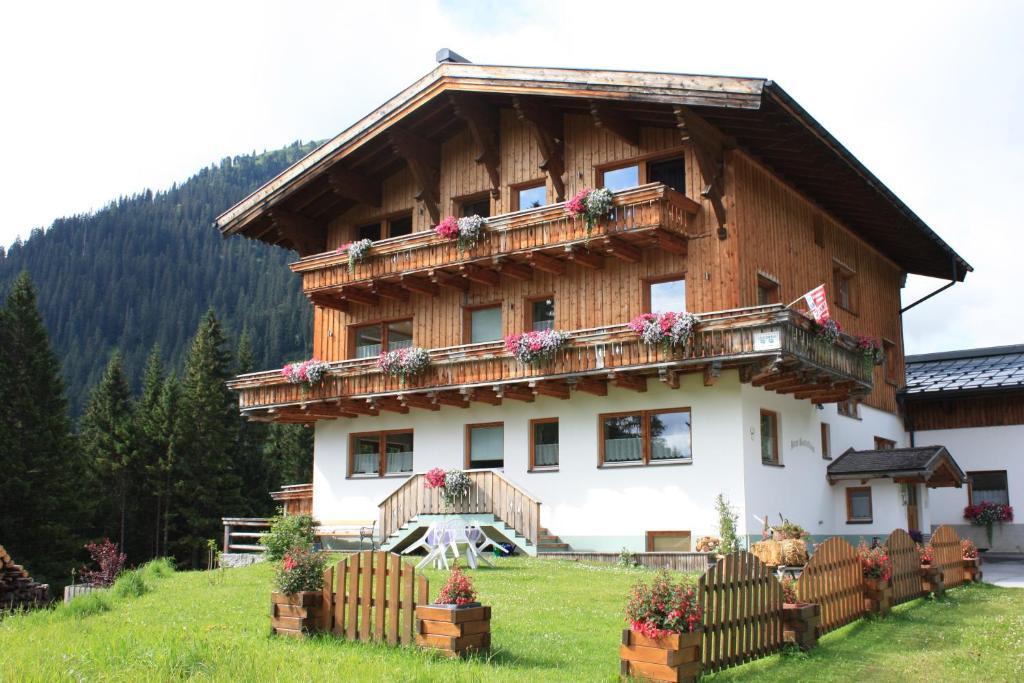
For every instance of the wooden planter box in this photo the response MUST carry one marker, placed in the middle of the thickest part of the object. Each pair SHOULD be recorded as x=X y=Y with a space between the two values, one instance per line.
x=453 y=631
x=931 y=580
x=801 y=623
x=296 y=615
x=676 y=657
x=878 y=596
x=972 y=569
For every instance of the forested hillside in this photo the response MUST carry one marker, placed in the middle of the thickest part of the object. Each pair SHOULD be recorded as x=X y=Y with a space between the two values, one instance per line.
x=144 y=270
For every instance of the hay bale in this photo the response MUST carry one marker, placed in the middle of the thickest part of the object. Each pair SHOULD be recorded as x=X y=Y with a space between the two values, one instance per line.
x=794 y=552
x=769 y=552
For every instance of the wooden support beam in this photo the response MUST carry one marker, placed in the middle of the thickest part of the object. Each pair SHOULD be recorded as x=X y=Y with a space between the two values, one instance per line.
x=712 y=371
x=615 y=122
x=329 y=300
x=475 y=273
x=636 y=383
x=549 y=133
x=518 y=393
x=420 y=285
x=391 y=405
x=549 y=264
x=358 y=407
x=359 y=296
x=516 y=271
x=387 y=290
x=772 y=376
x=592 y=385
x=449 y=398
x=708 y=146
x=669 y=377
x=351 y=185
x=482 y=396
x=622 y=250
x=783 y=383
x=672 y=242
x=303 y=234
x=551 y=388
x=585 y=257
x=482 y=121
x=424 y=160
x=824 y=390
x=448 y=280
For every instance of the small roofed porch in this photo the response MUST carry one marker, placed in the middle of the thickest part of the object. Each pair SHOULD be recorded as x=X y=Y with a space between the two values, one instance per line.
x=932 y=466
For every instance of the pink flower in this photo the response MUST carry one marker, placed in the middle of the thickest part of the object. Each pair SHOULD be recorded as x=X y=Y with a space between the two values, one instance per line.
x=577 y=206
x=343 y=247
x=448 y=228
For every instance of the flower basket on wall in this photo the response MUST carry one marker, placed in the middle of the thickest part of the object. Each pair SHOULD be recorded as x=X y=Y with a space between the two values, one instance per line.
x=669 y=330
x=536 y=346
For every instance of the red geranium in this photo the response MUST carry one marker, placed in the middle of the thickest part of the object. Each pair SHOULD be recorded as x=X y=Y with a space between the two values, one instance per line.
x=875 y=562
x=434 y=479
x=458 y=590
x=663 y=607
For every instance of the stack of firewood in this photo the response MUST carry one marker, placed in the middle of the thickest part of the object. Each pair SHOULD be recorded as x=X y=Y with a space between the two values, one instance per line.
x=17 y=589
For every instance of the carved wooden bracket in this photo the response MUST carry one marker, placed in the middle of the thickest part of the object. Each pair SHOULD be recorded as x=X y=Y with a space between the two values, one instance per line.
x=615 y=122
x=351 y=185
x=708 y=145
x=549 y=133
x=299 y=232
x=424 y=159
x=482 y=121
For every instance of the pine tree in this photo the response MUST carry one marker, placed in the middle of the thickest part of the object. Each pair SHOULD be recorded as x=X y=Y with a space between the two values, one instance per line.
x=251 y=462
x=207 y=483
x=151 y=447
x=108 y=444
x=42 y=487
x=289 y=448
x=167 y=465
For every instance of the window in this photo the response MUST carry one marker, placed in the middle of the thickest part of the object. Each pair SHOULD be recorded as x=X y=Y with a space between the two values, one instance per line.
x=770 y=438
x=767 y=291
x=395 y=226
x=826 y=441
x=666 y=295
x=889 y=362
x=670 y=172
x=858 y=505
x=843 y=287
x=479 y=205
x=485 y=445
x=621 y=178
x=544 y=444
x=400 y=225
x=530 y=197
x=542 y=314
x=668 y=541
x=370 y=231
x=483 y=324
x=987 y=487
x=850 y=408
x=883 y=444
x=371 y=340
x=645 y=437
x=375 y=454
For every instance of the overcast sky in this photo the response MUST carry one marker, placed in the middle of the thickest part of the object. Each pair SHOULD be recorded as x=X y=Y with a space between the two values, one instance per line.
x=102 y=99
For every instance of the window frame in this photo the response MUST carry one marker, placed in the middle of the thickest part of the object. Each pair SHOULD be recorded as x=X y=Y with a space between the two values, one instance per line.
x=884 y=444
x=647 y=282
x=764 y=412
x=826 y=441
x=528 y=303
x=382 y=435
x=849 y=507
x=889 y=349
x=645 y=439
x=649 y=537
x=516 y=188
x=384 y=222
x=467 y=463
x=970 y=483
x=467 y=321
x=641 y=172
x=458 y=203
x=854 y=412
x=533 y=466
x=842 y=271
x=354 y=327
x=643 y=161
x=768 y=282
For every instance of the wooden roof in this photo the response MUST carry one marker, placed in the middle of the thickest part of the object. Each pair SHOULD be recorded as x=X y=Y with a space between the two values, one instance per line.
x=754 y=114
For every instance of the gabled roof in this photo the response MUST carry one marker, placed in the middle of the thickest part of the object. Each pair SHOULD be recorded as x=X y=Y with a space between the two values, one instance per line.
x=755 y=113
x=997 y=368
x=931 y=464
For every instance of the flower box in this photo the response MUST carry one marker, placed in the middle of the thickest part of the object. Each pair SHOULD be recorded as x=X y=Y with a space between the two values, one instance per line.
x=455 y=631
x=932 y=580
x=297 y=614
x=675 y=657
x=878 y=596
x=972 y=569
x=801 y=623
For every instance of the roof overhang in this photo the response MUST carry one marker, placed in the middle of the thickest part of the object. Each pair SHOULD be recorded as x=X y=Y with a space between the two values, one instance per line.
x=934 y=467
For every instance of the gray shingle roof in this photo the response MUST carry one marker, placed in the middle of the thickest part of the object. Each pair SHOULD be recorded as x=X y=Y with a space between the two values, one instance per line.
x=995 y=368
x=920 y=460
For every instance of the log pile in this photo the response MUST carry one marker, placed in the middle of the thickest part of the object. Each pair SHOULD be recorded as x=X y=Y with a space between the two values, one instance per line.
x=17 y=589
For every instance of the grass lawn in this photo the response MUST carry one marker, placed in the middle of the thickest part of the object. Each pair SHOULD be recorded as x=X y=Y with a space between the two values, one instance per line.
x=552 y=621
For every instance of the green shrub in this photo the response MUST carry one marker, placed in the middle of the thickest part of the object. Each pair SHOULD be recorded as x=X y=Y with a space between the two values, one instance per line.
x=160 y=568
x=726 y=525
x=287 y=533
x=88 y=604
x=300 y=570
x=130 y=585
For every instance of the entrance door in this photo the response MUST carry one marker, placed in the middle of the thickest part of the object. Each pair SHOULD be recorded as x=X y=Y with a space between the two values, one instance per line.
x=912 y=519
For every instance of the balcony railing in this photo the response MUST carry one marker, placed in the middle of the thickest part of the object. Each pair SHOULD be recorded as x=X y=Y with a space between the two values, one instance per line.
x=544 y=238
x=776 y=348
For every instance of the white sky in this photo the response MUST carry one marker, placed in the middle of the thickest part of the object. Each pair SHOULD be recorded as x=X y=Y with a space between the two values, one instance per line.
x=102 y=99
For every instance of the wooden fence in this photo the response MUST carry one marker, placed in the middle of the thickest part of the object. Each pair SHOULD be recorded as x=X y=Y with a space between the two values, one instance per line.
x=833 y=578
x=906 y=566
x=949 y=557
x=375 y=598
x=742 y=604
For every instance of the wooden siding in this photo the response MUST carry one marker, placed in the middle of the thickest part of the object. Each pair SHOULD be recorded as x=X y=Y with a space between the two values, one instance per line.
x=964 y=412
x=777 y=239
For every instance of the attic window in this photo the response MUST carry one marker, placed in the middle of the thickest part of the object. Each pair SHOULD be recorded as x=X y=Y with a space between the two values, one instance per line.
x=843 y=287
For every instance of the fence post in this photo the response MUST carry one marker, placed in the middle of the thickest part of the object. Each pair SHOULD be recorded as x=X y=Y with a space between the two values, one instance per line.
x=227 y=537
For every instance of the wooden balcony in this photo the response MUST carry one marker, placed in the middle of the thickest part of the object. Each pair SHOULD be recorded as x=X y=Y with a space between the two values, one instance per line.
x=514 y=244
x=773 y=347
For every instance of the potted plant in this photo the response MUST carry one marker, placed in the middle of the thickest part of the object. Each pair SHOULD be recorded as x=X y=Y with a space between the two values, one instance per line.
x=297 y=604
x=467 y=230
x=800 y=620
x=988 y=514
x=404 y=363
x=665 y=633
x=455 y=624
x=453 y=484
x=593 y=205
x=670 y=330
x=356 y=252
x=931 y=576
x=972 y=561
x=536 y=346
x=307 y=372
x=877 y=569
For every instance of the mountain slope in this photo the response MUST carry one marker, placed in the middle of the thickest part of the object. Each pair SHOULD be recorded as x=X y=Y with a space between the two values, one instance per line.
x=145 y=268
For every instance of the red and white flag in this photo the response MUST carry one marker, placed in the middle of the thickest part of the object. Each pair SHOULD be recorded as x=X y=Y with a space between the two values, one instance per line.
x=817 y=305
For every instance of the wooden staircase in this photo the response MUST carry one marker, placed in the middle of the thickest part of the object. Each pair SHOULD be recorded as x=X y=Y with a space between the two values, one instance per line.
x=550 y=543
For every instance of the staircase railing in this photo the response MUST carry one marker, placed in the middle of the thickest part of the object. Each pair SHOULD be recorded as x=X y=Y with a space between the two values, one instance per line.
x=489 y=493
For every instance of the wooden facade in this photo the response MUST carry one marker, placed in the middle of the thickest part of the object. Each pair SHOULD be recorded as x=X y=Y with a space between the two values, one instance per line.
x=960 y=412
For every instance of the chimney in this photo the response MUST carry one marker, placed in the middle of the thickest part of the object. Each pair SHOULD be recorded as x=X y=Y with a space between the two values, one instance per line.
x=446 y=55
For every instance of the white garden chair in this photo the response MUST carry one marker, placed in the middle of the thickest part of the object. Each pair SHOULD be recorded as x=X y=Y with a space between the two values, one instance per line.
x=436 y=540
x=484 y=541
x=458 y=536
